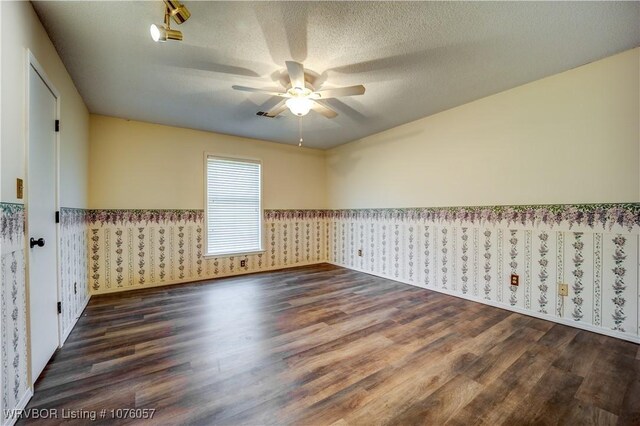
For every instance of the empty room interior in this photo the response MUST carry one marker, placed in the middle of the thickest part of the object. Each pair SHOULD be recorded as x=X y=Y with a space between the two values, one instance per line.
x=320 y=213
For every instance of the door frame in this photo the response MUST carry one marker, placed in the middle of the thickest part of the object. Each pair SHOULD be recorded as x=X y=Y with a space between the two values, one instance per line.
x=32 y=62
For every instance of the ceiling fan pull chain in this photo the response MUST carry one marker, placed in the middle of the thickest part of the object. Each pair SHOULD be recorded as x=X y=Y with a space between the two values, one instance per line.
x=300 y=130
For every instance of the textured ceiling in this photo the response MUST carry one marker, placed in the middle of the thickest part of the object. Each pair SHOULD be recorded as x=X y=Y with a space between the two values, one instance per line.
x=415 y=58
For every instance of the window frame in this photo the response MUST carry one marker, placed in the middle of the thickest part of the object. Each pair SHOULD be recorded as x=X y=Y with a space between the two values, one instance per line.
x=261 y=232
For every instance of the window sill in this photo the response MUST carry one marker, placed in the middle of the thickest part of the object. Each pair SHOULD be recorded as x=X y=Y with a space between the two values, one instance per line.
x=239 y=254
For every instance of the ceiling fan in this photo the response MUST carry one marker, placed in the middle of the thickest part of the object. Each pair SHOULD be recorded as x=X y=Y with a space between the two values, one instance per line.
x=301 y=97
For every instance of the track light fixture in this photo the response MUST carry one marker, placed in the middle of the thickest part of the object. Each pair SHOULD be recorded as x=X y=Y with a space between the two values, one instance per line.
x=163 y=33
x=179 y=13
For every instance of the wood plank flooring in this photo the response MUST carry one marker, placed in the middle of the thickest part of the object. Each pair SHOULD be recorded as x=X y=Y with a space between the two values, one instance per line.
x=323 y=345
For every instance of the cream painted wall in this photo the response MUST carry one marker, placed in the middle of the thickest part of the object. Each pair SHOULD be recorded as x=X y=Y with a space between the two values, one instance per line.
x=22 y=30
x=137 y=165
x=570 y=138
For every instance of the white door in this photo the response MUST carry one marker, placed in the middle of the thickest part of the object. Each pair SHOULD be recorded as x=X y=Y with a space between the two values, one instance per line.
x=41 y=206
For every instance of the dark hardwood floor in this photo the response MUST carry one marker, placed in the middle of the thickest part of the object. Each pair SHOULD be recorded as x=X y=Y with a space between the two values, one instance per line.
x=325 y=345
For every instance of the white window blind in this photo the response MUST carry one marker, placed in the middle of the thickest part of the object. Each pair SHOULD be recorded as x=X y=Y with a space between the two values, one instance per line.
x=234 y=214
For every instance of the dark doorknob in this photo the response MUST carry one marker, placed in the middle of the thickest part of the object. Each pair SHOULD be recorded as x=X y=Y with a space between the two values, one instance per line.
x=39 y=242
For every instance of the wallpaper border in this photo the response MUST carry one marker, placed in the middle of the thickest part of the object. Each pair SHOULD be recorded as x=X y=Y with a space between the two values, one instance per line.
x=605 y=215
x=12 y=221
x=146 y=216
x=626 y=215
x=71 y=216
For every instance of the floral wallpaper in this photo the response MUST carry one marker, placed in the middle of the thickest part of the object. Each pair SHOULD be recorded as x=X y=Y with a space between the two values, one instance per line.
x=472 y=252
x=129 y=249
x=13 y=342
x=74 y=291
x=466 y=251
x=74 y=271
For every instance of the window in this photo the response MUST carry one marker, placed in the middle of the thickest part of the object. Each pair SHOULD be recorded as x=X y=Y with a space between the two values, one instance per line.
x=233 y=207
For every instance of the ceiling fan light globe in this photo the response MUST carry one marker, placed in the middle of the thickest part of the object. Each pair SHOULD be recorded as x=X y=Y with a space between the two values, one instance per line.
x=299 y=106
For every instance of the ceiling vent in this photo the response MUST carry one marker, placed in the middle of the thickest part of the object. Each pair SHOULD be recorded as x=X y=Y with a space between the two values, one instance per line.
x=264 y=114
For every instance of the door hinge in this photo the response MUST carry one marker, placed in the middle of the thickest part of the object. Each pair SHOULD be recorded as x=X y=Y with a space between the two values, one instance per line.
x=57 y=217
x=59 y=307
x=57 y=125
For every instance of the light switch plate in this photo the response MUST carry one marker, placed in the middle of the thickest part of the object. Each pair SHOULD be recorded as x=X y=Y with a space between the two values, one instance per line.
x=19 y=189
x=563 y=289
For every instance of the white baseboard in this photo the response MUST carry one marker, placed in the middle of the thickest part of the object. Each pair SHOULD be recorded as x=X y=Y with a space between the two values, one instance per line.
x=547 y=317
x=66 y=333
x=21 y=406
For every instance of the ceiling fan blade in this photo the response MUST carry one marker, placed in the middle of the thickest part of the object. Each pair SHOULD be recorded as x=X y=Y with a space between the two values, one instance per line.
x=296 y=74
x=339 y=91
x=265 y=91
x=324 y=110
x=277 y=109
